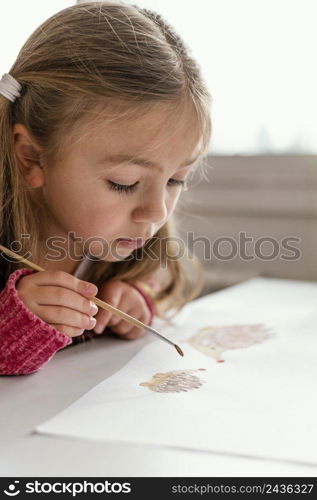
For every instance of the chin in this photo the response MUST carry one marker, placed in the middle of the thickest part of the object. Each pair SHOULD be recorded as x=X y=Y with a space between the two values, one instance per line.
x=116 y=258
x=107 y=254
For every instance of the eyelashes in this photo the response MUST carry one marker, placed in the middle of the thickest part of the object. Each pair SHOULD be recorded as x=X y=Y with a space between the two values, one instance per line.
x=122 y=188
x=130 y=188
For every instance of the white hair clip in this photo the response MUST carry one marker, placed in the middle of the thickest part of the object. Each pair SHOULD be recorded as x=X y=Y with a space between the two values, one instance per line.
x=10 y=87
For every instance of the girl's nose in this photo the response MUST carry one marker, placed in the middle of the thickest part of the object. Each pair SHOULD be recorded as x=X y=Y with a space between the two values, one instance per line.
x=152 y=210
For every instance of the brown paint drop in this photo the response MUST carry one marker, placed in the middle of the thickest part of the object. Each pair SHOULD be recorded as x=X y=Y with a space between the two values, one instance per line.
x=174 y=381
x=214 y=340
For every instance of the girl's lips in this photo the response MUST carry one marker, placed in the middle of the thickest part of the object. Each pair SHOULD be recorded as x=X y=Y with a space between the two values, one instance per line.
x=139 y=242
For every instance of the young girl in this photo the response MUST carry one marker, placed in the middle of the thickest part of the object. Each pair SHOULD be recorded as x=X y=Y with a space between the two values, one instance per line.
x=103 y=117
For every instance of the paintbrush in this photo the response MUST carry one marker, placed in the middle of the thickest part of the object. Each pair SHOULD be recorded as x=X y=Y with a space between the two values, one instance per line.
x=101 y=303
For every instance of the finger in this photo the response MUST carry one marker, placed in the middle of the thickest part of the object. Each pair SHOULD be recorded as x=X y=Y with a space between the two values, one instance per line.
x=112 y=295
x=68 y=330
x=133 y=330
x=102 y=321
x=115 y=320
x=141 y=312
x=65 y=316
x=146 y=318
x=60 y=296
x=127 y=304
x=66 y=280
x=135 y=333
x=122 y=328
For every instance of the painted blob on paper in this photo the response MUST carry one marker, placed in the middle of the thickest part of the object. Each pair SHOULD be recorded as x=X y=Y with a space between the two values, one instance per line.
x=214 y=340
x=175 y=381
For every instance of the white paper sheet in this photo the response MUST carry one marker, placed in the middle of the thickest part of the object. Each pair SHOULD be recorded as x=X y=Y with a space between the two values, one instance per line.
x=261 y=401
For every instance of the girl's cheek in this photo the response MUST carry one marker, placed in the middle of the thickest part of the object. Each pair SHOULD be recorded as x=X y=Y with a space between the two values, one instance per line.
x=106 y=206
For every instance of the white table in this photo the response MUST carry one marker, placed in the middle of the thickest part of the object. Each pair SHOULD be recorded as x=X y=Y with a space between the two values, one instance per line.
x=28 y=400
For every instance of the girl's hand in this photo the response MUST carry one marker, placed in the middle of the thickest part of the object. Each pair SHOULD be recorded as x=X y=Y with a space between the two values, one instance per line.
x=122 y=296
x=60 y=299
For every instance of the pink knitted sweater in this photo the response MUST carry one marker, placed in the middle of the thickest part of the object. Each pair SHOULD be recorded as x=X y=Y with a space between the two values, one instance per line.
x=27 y=342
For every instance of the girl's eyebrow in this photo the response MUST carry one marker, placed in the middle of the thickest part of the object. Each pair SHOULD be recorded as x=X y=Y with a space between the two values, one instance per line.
x=141 y=162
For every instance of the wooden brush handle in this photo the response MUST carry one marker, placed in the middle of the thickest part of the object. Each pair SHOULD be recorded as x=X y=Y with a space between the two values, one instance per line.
x=22 y=259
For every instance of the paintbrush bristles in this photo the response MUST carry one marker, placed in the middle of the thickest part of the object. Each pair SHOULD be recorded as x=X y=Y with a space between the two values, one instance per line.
x=178 y=349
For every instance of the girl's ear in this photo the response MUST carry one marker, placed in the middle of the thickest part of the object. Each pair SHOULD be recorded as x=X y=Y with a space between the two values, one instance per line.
x=28 y=156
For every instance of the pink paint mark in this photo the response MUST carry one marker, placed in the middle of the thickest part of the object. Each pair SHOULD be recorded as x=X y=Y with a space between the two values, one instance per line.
x=174 y=381
x=214 y=340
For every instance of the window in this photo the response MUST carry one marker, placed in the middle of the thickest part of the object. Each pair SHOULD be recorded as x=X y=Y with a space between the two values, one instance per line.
x=258 y=59
x=18 y=20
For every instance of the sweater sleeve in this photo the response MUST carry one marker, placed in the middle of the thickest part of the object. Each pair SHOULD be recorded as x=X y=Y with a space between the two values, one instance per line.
x=27 y=342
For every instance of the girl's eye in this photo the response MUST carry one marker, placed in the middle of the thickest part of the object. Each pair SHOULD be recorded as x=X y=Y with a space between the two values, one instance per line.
x=122 y=188
x=129 y=188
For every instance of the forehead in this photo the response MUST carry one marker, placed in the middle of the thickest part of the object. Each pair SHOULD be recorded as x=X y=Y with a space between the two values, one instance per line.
x=159 y=131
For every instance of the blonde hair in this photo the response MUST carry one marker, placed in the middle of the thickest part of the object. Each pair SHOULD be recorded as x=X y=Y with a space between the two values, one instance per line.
x=85 y=58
